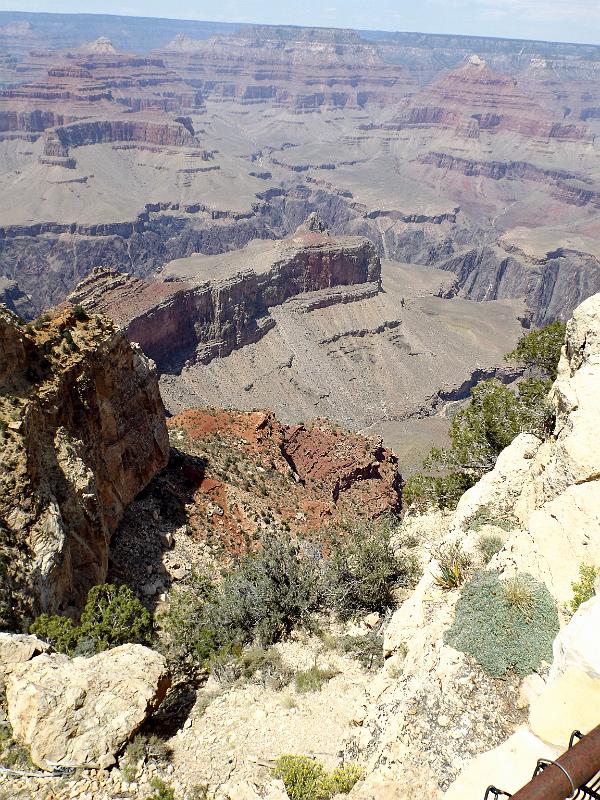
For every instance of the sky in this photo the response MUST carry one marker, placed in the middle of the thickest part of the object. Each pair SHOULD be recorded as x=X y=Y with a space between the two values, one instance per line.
x=555 y=20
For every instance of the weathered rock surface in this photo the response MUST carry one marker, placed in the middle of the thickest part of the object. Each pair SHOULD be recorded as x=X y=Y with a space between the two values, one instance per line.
x=82 y=711
x=83 y=432
x=15 y=649
x=441 y=709
x=553 y=487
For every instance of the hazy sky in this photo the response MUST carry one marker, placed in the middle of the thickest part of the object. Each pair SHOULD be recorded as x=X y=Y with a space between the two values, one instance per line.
x=560 y=20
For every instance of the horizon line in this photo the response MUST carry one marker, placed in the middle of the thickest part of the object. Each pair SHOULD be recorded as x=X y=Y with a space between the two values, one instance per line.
x=299 y=27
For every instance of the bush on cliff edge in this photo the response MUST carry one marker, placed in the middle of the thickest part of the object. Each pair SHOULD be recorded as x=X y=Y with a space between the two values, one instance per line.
x=495 y=415
x=505 y=624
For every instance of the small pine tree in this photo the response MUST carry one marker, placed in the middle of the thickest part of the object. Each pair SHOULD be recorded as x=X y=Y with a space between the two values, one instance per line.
x=540 y=349
x=112 y=616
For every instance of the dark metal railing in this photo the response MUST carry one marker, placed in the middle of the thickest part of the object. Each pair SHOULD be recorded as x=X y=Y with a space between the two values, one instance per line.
x=576 y=774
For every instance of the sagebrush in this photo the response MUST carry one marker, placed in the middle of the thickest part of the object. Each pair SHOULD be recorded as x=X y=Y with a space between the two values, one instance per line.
x=307 y=779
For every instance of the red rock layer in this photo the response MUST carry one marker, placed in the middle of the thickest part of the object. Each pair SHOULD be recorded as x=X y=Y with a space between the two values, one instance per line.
x=308 y=477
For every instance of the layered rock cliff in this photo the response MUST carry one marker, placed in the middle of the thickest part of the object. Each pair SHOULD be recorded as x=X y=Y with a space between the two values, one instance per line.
x=209 y=306
x=82 y=432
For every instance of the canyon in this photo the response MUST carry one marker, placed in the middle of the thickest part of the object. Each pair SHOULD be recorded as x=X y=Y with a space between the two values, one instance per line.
x=249 y=275
x=186 y=157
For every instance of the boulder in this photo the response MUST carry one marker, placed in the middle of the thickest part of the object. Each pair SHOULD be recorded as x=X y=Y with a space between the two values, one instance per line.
x=568 y=703
x=508 y=766
x=17 y=648
x=82 y=711
x=500 y=488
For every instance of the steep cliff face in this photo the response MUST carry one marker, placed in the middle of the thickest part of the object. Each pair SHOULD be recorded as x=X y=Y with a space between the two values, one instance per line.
x=210 y=306
x=433 y=708
x=83 y=431
x=553 y=283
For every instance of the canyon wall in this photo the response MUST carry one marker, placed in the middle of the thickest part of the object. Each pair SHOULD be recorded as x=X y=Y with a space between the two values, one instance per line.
x=209 y=320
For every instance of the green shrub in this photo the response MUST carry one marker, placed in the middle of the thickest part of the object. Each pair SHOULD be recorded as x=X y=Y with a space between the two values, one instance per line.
x=266 y=596
x=41 y=321
x=12 y=754
x=495 y=415
x=488 y=545
x=58 y=631
x=271 y=593
x=583 y=589
x=80 y=313
x=485 y=516
x=231 y=663
x=307 y=779
x=187 y=639
x=479 y=432
x=267 y=665
x=130 y=760
x=142 y=749
x=367 y=649
x=343 y=779
x=505 y=625
x=161 y=790
x=421 y=492
x=540 y=349
x=112 y=616
x=364 y=570
x=302 y=777
x=312 y=680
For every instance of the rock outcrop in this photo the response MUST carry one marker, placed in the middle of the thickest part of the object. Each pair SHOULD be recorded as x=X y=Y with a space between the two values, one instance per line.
x=303 y=477
x=81 y=712
x=83 y=431
x=433 y=708
x=17 y=649
x=212 y=305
